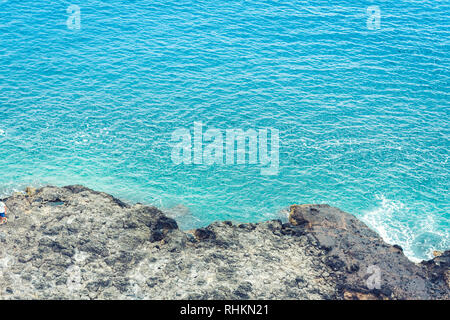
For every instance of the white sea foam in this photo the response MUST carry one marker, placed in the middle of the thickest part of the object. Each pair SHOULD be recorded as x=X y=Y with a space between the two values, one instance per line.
x=392 y=220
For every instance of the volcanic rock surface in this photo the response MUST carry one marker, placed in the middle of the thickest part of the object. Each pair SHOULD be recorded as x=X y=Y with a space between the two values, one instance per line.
x=77 y=243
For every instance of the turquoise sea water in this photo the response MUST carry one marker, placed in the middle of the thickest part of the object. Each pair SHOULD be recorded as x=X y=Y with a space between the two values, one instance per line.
x=362 y=113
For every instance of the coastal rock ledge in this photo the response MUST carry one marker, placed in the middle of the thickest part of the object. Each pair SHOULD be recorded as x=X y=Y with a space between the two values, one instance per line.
x=77 y=243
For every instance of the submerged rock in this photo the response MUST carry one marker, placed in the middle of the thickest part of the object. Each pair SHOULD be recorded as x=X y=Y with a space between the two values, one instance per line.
x=74 y=242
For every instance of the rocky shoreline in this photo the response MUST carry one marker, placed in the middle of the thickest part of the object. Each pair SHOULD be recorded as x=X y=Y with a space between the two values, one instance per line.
x=77 y=243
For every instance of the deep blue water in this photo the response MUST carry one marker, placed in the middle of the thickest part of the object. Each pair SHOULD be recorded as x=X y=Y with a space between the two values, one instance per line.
x=362 y=113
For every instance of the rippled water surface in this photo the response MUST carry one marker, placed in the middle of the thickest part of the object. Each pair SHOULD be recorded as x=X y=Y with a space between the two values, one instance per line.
x=363 y=114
